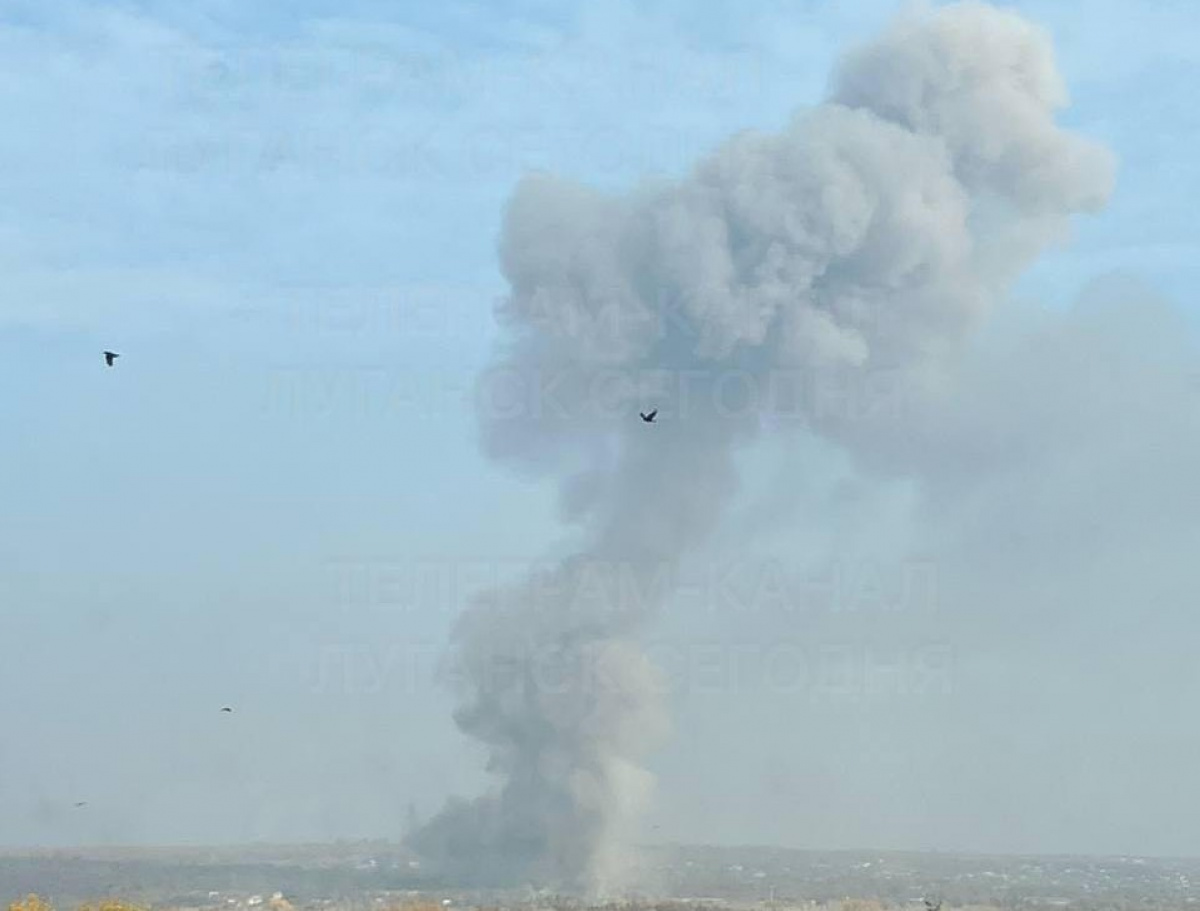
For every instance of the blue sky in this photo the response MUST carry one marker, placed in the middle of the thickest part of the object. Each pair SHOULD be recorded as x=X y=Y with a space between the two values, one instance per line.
x=284 y=216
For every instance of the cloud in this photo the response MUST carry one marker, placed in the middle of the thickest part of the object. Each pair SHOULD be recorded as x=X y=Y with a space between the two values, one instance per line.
x=874 y=234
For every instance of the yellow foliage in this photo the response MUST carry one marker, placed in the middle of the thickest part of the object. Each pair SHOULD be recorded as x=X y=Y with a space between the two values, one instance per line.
x=31 y=903
x=108 y=904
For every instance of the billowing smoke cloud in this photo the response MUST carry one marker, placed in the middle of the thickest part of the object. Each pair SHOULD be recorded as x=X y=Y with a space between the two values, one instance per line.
x=857 y=248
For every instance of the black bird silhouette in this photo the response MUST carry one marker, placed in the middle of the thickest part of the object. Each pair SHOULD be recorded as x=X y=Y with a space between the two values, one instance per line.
x=649 y=418
x=227 y=709
x=109 y=357
x=82 y=803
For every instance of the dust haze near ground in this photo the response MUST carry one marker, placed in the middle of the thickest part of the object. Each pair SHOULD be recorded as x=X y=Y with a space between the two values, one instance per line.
x=362 y=875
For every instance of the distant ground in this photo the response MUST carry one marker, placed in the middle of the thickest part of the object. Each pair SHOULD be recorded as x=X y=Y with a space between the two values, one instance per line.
x=372 y=874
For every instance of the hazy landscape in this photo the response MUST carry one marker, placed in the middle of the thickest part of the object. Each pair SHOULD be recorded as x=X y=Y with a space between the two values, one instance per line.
x=536 y=429
x=374 y=874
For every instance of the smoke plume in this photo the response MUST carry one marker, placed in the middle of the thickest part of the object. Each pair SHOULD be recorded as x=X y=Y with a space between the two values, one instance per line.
x=860 y=246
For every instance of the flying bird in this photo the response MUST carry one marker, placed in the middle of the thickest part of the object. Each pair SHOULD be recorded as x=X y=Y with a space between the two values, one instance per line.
x=82 y=803
x=649 y=418
x=109 y=357
x=227 y=709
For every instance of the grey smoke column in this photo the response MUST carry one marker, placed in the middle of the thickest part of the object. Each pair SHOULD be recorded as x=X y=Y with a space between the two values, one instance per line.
x=868 y=238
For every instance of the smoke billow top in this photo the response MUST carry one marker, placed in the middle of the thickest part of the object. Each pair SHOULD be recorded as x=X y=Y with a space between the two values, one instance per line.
x=866 y=240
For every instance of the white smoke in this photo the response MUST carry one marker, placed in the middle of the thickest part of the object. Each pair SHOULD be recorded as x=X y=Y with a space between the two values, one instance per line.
x=866 y=240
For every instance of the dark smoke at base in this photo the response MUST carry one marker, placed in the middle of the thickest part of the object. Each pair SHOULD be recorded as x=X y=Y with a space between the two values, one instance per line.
x=873 y=235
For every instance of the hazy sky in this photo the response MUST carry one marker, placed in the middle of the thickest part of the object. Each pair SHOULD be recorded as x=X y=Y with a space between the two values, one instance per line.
x=284 y=216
